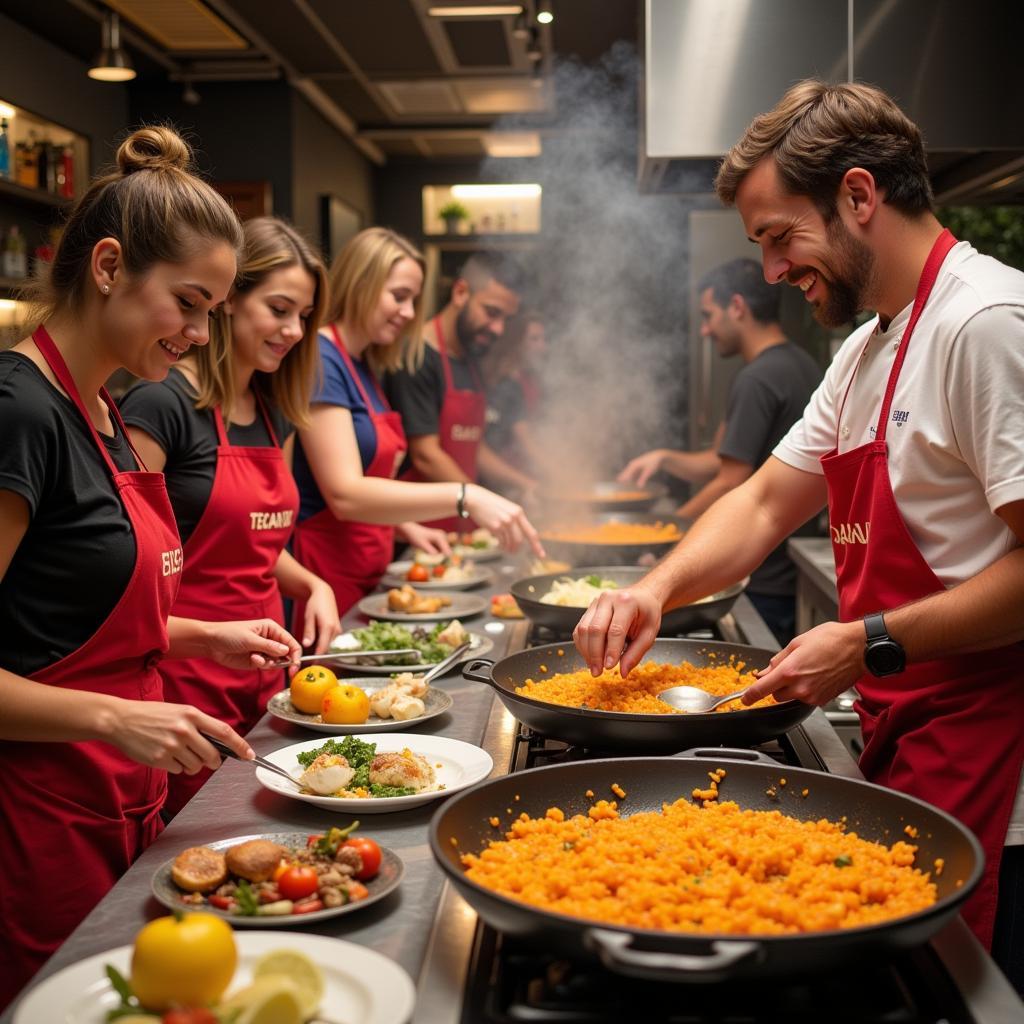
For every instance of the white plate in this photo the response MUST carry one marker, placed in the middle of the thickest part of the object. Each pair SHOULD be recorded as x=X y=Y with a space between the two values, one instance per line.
x=478 y=554
x=359 y=984
x=461 y=765
x=462 y=606
x=395 y=577
x=479 y=646
x=437 y=702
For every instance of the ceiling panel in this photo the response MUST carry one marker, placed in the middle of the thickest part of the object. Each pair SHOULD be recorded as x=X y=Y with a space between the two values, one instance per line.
x=291 y=34
x=383 y=36
x=478 y=44
x=354 y=100
x=421 y=99
x=400 y=147
x=180 y=24
x=494 y=96
x=441 y=146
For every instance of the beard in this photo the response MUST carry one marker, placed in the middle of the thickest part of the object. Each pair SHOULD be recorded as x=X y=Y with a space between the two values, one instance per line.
x=854 y=266
x=470 y=341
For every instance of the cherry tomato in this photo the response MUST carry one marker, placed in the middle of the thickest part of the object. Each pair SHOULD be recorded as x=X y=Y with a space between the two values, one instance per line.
x=439 y=571
x=198 y=1015
x=313 y=840
x=308 y=907
x=298 y=881
x=369 y=851
x=357 y=891
x=417 y=574
x=221 y=902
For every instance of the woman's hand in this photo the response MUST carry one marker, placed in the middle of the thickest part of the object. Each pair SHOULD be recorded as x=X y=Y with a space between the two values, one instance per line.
x=616 y=618
x=251 y=644
x=814 y=667
x=170 y=736
x=504 y=518
x=642 y=468
x=426 y=538
x=321 y=622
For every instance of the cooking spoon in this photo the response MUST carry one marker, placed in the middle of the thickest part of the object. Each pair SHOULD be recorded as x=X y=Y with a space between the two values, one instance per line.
x=695 y=701
x=262 y=762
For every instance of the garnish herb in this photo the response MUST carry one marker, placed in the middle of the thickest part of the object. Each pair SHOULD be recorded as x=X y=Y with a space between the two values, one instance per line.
x=843 y=861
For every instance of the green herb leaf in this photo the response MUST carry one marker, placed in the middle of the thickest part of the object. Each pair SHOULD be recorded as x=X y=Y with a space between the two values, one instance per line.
x=843 y=861
x=119 y=984
x=248 y=901
x=594 y=580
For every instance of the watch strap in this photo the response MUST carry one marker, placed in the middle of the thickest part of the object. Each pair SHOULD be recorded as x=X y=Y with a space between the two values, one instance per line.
x=874 y=627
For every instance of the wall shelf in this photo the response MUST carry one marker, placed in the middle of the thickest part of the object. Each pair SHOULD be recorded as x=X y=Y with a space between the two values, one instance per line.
x=38 y=196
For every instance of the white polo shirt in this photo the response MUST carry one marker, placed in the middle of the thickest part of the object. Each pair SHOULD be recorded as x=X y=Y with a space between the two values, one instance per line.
x=956 y=424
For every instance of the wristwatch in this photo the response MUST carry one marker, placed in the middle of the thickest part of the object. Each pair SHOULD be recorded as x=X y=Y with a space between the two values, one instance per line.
x=460 y=505
x=882 y=655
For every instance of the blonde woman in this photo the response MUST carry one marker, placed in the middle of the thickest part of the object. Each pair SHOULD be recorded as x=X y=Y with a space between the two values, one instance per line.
x=221 y=428
x=90 y=558
x=349 y=454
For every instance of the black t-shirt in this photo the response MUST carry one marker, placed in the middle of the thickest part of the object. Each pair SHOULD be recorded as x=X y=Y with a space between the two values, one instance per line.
x=768 y=396
x=78 y=554
x=506 y=406
x=418 y=396
x=166 y=411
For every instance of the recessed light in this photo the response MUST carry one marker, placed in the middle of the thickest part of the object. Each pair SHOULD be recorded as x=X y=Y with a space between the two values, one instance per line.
x=479 y=11
x=545 y=15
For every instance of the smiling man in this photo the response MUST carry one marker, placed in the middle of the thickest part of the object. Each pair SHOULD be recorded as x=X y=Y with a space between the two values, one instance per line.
x=914 y=442
x=443 y=404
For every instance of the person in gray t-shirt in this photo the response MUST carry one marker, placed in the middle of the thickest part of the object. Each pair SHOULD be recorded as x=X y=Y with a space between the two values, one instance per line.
x=740 y=314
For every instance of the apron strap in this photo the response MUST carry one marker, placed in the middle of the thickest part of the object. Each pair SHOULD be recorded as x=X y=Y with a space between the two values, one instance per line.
x=56 y=363
x=222 y=434
x=339 y=344
x=442 y=349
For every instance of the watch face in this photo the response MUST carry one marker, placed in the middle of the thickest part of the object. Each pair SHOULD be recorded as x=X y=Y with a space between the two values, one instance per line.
x=885 y=657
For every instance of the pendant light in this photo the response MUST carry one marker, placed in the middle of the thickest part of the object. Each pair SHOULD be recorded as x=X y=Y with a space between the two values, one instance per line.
x=545 y=15
x=112 y=63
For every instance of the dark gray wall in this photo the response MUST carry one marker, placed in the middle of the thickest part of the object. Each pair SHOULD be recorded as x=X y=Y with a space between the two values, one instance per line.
x=241 y=131
x=50 y=82
x=325 y=162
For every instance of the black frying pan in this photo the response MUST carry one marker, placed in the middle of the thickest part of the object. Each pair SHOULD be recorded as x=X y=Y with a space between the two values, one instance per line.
x=873 y=812
x=586 y=553
x=613 y=730
x=606 y=496
x=529 y=591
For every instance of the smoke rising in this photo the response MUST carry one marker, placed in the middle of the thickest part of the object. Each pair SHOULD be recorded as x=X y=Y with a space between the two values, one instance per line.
x=610 y=278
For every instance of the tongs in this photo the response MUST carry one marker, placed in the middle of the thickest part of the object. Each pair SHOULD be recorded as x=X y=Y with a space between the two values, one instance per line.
x=348 y=656
x=442 y=666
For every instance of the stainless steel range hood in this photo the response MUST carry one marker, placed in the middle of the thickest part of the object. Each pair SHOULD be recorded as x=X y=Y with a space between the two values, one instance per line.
x=711 y=65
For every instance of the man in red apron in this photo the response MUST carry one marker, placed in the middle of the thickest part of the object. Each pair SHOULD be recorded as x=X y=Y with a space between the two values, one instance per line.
x=910 y=440
x=443 y=405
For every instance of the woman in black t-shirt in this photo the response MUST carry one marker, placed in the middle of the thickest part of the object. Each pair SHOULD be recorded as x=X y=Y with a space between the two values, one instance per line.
x=89 y=554
x=220 y=427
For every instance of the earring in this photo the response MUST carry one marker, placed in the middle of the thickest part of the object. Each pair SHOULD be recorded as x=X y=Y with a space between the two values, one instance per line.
x=105 y=289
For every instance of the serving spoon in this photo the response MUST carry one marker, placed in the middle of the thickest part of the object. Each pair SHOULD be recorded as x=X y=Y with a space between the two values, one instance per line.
x=695 y=701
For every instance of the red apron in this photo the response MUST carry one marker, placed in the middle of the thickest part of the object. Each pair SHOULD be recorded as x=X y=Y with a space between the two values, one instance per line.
x=229 y=574
x=949 y=731
x=73 y=816
x=460 y=428
x=350 y=555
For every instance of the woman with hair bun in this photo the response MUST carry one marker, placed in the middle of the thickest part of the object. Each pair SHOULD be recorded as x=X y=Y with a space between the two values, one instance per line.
x=221 y=427
x=351 y=450
x=90 y=558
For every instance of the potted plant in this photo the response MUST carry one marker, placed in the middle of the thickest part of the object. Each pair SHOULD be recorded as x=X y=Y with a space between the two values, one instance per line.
x=451 y=213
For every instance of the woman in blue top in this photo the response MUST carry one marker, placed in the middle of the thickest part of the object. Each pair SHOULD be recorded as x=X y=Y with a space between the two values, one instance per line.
x=348 y=456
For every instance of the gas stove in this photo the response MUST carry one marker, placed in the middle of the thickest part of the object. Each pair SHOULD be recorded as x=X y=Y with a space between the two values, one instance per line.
x=475 y=975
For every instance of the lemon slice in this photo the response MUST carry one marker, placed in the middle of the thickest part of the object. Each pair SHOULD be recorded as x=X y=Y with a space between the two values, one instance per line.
x=300 y=970
x=270 y=1000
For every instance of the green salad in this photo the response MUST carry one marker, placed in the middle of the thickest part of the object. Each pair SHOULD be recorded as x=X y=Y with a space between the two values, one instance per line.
x=359 y=754
x=390 y=636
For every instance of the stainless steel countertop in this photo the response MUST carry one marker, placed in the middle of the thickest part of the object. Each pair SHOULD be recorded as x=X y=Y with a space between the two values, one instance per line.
x=814 y=556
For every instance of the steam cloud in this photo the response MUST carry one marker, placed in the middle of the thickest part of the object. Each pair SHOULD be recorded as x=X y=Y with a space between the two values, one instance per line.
x=610 y=278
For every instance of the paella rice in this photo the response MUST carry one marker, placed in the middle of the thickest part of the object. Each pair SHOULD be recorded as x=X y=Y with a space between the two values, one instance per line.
x=637 y=693
x=616 y=532
x=713 y=868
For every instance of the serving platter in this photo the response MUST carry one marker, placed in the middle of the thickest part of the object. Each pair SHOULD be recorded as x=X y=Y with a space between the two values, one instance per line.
x=437 y=703
x=384 y=882
x=395 y=576
x=479 y=645
x=463 y=606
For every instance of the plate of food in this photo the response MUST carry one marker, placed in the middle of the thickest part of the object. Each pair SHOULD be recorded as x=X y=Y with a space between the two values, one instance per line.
x=279 y=878
x=406 y=604
x=481 y=545
x=318 y=975
x=504 y=606
x=434 y=643
x=398 y=703
x=437 y=572
x=376 y=773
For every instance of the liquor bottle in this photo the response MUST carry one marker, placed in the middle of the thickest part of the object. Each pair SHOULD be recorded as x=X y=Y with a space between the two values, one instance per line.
x=28 y=163
x=66 y=174
x=5 y=150
x=15 y=261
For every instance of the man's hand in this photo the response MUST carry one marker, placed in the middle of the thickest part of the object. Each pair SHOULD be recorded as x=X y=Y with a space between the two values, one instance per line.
x=642 y=468
x=615 y=619
x=815 y=667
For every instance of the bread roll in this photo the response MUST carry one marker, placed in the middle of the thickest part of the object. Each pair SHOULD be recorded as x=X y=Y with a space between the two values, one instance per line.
x=255 y=860
x=199 y=869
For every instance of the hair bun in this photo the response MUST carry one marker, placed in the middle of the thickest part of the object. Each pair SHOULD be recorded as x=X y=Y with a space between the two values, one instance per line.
x=154 y=148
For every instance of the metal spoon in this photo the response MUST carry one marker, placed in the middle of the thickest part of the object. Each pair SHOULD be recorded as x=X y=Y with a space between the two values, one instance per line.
x=349 y=656
x=695 y=701
x=442 y=666
x=257 y=760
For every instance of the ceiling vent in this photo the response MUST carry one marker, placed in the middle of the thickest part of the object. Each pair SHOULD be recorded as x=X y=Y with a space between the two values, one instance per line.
x=421 y=98
x=180 y=25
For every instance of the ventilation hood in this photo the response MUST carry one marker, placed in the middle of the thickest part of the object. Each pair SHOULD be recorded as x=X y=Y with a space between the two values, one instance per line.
x=711 y=65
